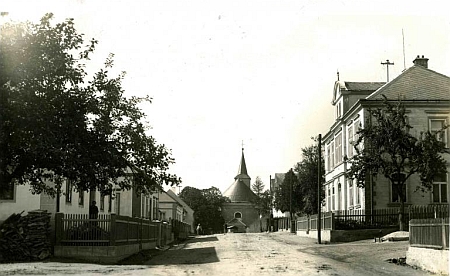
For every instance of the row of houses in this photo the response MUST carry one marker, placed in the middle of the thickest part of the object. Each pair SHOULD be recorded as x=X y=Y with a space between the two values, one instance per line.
x=158 y=206
x=426 y=96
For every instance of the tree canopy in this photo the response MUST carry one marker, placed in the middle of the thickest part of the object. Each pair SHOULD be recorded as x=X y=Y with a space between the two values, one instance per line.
x=263 y=200
x=207 y=204
x=307 y=176
x=303 y=179
x=286 y=191
x=386 y=146
x=55 y=123
x=258 y=186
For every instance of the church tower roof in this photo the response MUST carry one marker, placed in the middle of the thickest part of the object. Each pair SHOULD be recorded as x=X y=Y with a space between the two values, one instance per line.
x=240 y=190
x=242 y=171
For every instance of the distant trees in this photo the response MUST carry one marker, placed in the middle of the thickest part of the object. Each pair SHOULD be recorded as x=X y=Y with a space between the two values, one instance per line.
x=300 y=185
x=386 y=146
x=55 y=124
x=207 y=204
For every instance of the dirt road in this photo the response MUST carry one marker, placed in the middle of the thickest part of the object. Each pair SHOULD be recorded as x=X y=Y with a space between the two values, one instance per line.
x=280 y=253
x=245 y=254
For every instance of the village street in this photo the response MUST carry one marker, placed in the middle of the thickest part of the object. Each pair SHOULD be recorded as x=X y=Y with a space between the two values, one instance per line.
x=278 y=253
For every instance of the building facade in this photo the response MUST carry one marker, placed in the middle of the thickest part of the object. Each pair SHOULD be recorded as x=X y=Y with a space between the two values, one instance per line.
x=124 y=203
x=426 y=96
x=172 y=206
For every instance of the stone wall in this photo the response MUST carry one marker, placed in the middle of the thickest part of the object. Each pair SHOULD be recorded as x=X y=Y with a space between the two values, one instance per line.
x=433 y=260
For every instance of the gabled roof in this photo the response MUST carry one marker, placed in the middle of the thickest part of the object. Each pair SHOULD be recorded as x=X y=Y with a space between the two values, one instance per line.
x=363 y=86
x=239 y=192
x=415 y=83
x=234 y=222
x=356 y=87
x=179 y=200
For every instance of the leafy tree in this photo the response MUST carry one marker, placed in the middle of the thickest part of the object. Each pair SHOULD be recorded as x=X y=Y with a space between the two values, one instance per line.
x=56 y=124
x=285 y=192
x=193 y=197
x=307 y=175
x=207 y=205
x=304 y=185
x=258 y=186
x=263 y=199
x=386 y=146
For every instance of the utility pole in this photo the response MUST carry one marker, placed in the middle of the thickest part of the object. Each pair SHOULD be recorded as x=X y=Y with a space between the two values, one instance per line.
x=387 y=63
x=319 y=189
x=271 y=208
x=290 y=202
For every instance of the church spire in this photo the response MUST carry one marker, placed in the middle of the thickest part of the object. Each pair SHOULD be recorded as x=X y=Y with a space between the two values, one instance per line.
x=242 y=166
x=242 y=171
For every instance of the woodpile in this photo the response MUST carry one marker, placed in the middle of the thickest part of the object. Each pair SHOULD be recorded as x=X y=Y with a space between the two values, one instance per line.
x=26 y=238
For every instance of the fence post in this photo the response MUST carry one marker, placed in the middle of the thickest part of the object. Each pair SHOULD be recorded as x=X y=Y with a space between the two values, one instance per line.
x=444 y=243
x=140 y=233
x=112 y=233
x=59 y=228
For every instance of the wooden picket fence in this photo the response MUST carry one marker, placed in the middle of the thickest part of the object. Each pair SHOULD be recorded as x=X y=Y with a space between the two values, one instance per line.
x=307 y=223
x=111 y=230
x=429 y=233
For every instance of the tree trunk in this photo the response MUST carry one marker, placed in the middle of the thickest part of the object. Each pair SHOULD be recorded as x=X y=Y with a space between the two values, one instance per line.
x=402 y=209
x=400 y=216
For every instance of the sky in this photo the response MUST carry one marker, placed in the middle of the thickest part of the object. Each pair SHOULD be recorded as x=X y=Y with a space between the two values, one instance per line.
x=261 y=73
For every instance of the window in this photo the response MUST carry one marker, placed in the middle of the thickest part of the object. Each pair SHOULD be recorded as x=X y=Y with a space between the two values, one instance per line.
x=109 y=202
x=329 y=158
x=81 y=198
x=329 y=199
x=437 y=128
x=332 y=154
x=69 y=189
x=7 y=191
x=147 y=209
x=238 y=215
x=102 y=202
x=117 y=209
x=143 y=202
x=440 y=189
x=350 y=192
x=333 y=198
x=338 y=148
x=358 y=195
x=338 y=111
x=155 y=209
x=356 y=127
x=350 y=141
x=150 y=208
x=339 y=199
x=395 y=190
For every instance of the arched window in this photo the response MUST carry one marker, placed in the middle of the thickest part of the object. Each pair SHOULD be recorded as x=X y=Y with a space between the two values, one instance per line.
x=238 y=215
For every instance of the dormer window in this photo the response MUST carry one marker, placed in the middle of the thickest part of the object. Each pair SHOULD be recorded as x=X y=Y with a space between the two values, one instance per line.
x=338 y=110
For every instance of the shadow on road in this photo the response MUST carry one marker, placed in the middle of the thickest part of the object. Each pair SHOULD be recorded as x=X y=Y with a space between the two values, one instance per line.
x=202 y=239
x=186 y=256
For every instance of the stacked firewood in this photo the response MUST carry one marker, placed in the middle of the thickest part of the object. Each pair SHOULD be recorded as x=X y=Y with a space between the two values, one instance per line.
x=26 y=238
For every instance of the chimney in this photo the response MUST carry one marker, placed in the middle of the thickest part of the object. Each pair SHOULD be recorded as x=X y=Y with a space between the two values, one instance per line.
x=422 y=61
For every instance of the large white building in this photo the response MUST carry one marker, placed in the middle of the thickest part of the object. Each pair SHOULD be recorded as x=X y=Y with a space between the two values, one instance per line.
x=426 y=95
